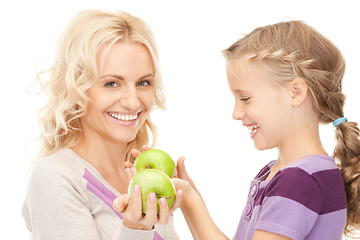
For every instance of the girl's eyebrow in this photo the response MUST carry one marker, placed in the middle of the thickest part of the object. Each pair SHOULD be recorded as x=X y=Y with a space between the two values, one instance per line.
x=239 y=91
x=119 y=77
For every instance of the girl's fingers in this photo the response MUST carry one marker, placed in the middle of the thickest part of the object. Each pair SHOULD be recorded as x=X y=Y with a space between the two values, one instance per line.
x=176 y=204
x=180 y=168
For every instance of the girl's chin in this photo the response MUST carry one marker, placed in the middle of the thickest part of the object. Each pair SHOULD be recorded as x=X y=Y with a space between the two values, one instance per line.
x=262 y=147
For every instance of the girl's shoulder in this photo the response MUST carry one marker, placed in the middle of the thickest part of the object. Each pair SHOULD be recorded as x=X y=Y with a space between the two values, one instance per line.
x=313 y=181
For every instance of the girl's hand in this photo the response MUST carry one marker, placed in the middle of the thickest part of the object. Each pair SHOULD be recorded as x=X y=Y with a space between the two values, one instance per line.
x=182 y=173
x=131 y=210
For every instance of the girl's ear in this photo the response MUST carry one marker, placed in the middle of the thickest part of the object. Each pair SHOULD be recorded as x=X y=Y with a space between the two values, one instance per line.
x=298 y=91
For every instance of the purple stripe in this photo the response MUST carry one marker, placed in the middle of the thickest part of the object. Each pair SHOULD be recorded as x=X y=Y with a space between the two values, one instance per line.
x=334 y=223
x=297 y=185
x=282 y=220
x=314 y=163
x=157 y=236
x=323 y=192
x=265 y=169
x=260 y=197
x=99 y=189
x=333 y=192
x=107 y=196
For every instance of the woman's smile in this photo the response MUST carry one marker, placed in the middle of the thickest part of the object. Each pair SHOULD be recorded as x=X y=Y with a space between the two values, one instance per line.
x=125 y=119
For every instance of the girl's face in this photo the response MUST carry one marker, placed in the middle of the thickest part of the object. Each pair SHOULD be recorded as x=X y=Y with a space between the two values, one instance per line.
x=263 y=107
x=123 y=97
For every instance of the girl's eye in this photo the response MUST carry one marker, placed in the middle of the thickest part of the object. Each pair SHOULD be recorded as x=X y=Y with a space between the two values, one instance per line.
x=144 y=83
x=245 y=99
x=111 y=84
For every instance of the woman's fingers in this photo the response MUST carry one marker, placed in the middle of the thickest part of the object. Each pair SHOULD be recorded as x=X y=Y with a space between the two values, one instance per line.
x=164 y=212
x=134 y=212
x=151 y=210
x=145 y=147
x=121 y=203
x=135 y=152
x=128 y=164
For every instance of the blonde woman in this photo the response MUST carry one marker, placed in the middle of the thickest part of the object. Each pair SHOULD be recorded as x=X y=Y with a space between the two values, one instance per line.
x=102 y=86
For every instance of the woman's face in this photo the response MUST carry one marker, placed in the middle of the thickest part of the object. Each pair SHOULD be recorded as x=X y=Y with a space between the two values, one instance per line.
x=123 y=96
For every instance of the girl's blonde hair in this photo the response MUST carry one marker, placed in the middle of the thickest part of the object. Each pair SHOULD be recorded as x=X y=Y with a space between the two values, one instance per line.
x=294 y=49
x=74 y=71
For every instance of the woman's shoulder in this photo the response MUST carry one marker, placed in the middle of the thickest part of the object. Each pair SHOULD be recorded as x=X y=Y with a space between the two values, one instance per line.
x=59 y=165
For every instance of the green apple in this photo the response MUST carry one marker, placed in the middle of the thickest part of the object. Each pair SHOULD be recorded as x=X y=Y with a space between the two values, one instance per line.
x=155 y=159
x=153 y=181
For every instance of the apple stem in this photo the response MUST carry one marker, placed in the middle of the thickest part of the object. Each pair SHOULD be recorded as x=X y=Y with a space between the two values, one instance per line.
x=166 y=197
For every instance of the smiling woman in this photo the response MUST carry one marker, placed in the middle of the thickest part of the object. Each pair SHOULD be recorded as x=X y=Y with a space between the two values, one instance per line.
x=102 y=86
x=123 y=98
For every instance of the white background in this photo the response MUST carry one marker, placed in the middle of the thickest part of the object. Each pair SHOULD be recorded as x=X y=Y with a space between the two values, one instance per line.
x=190 y=35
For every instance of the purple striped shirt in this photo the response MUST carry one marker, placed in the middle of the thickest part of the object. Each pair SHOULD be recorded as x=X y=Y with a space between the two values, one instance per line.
x=305 y=200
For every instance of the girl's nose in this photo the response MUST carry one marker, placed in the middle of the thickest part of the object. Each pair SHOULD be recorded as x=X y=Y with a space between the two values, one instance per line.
x=239 y=112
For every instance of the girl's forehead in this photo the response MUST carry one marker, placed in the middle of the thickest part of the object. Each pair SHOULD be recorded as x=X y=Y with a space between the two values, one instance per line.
x=248 y=74
x=242 y=70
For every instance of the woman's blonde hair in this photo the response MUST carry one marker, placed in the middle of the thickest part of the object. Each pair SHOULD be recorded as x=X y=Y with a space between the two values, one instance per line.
x=294 y=49
x=74 y=71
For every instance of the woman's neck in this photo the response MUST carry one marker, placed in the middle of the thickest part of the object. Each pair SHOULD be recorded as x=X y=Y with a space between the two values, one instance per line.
x=107 y=157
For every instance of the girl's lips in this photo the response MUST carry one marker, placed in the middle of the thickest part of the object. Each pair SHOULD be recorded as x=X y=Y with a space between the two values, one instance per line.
x=254 y=128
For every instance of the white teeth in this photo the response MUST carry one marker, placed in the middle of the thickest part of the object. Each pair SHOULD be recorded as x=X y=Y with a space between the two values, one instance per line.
x=123 y=117
x=253 y=128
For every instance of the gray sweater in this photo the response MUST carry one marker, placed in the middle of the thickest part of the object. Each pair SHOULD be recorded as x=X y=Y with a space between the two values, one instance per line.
x=67 y=198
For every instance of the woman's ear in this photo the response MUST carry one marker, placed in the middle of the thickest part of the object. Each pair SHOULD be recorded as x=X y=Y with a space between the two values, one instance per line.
x=298 y=91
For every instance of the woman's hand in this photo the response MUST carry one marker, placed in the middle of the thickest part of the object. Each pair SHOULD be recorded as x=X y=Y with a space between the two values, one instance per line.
x=131 y=210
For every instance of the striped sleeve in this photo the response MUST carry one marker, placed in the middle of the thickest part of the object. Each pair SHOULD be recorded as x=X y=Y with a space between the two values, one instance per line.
x=291 y=204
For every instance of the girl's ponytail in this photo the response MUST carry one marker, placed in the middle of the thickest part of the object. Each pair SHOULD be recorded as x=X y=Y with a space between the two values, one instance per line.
x=347 y=153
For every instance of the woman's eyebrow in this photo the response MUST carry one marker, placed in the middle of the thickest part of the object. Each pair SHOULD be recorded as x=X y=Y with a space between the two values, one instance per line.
x=112 y=76
x=147 y=75
x=119 y=77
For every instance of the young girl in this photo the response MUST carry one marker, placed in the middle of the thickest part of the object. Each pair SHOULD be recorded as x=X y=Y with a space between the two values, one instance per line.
x=102 y=86
x=286 y=79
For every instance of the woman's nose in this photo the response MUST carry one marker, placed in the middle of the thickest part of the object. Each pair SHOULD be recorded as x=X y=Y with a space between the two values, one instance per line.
x=130 y=99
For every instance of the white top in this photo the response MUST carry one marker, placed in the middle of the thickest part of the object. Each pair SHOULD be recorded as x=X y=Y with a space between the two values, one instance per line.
x=67 y=198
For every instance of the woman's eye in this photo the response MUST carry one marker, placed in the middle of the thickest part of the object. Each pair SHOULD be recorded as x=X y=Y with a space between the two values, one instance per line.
x=144 y=83
x=111 y=84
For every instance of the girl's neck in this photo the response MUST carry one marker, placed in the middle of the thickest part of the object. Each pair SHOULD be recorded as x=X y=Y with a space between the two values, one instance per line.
x=300 y=144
